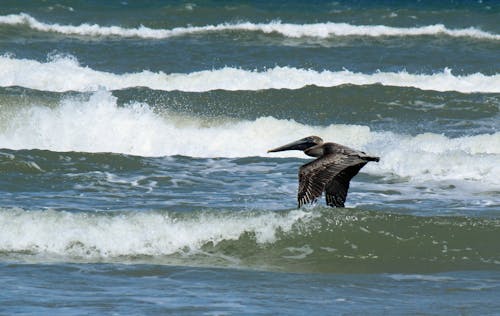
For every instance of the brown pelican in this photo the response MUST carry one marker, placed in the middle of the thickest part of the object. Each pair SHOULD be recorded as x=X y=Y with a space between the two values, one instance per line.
x=331 y=172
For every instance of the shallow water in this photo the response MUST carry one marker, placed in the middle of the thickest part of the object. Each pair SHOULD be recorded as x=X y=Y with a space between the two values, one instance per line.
x=135 y=179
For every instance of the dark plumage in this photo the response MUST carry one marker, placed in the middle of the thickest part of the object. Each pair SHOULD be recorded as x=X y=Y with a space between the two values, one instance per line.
x=330 y=173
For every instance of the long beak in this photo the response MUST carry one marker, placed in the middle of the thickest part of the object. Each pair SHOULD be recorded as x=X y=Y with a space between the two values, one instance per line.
x=296 y=145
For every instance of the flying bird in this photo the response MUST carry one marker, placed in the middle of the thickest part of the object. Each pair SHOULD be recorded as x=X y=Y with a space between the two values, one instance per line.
x=331 y=172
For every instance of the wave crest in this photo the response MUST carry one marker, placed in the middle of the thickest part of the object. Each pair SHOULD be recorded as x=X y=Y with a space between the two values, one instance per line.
x=98 y=124
x=66 y=74
x=315 y=240
x=319 y=30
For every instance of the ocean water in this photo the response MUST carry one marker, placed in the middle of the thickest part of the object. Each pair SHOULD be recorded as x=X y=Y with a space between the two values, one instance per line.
x=135 y=178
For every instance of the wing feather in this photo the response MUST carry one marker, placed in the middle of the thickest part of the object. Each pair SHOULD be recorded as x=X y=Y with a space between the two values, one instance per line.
x=336 y=189
x=317 y=174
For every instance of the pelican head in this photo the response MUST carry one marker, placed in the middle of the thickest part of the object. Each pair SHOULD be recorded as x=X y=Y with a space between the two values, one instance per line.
x=301 y=144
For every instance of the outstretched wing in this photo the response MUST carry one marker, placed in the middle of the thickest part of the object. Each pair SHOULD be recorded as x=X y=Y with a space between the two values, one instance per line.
x=336 y=189
x=316 y=175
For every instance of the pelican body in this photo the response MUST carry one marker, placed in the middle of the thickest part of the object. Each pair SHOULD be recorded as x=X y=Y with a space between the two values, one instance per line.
x=331 y=172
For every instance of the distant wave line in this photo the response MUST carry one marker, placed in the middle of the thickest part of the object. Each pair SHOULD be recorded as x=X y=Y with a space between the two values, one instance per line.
x=319 y=30
x=66 y=74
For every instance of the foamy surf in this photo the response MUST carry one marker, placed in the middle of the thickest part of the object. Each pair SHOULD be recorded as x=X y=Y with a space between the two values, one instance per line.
x=66 y=74
x=98 y=124
x=319 y=30
x=269 y=240
x=98 y=235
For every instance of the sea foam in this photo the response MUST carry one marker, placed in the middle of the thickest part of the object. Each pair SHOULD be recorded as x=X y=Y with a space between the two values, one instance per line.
x=319 y=30
x=98 y=124
x=66 y=74
x=253 y=238
x=100 y=236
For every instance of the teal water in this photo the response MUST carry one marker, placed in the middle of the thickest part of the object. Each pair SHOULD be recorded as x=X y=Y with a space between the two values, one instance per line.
x=135 y=179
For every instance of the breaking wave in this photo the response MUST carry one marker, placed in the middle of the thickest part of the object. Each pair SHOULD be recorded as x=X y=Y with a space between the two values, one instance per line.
x=98 y=124
x=318 y=240
x=66 y=74
x=320 y=30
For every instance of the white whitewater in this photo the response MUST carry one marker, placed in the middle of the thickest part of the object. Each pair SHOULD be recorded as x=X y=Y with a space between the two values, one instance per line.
x=100 y=236
x=64 y=73
x=98 y=124
x=319 y=30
